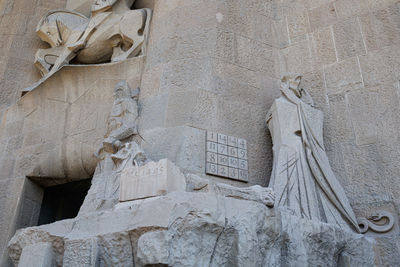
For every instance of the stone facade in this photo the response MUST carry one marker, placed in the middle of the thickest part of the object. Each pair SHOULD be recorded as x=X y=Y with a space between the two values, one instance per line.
x=210 y=65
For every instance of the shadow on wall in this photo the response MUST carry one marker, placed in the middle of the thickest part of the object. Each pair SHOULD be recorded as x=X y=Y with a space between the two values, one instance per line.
x=43 y=203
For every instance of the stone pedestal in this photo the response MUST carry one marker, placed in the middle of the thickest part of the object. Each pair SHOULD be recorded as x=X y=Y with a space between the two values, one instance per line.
x=150 y=180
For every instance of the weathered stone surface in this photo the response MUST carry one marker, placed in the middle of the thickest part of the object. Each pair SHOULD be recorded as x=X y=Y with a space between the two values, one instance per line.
x=83 y=7
x=37 y=255
x=53 y=234
x=324 y=46
x=381 y=66
x=346 y=8
x=233 y=51
x=343 y=76
x=153 y=248
x=297 y=58
x=298 y=25
x=339 y=122
x=380 y=28
x=63 y=124
x=255 y=193
x=302 y=177
x=348 y=39
x=199 y=228
x=322 y=16
x=185 y=146
x=364 y=112
x=151 y=180
x=115 y=250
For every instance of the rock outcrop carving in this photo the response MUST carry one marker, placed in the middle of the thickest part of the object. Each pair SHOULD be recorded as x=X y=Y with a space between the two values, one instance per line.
x=302 y=178
x=113 y=33
x=381 y=222
x=195 y=229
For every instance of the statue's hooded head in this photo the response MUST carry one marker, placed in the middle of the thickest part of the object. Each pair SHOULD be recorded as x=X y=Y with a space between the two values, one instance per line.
x=292 y=82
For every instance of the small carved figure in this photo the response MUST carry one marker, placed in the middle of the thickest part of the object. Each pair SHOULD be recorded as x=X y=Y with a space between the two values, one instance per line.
x=302 y=178
x=122 y=123
x=130 y=152
x=122 y=128
x=380 y=222
x=114 y=32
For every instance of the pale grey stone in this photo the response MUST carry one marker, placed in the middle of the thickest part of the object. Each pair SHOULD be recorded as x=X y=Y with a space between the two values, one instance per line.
x=380 y=28
x=153 y=248
x=150 y=180
x=322 y=14
x=84 y=252
x=348 y=39
x=388 y=251
x=152 y=112
x=254 y=193
x=37 y=255
x=364 y=110
x=229 y=55
x=185 y=146
x=190 y=229
x=115 y=250
x=343 y=76
x=380 y=67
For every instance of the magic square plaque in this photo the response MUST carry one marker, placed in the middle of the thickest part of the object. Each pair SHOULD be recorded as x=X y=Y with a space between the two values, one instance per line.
x=226 y=156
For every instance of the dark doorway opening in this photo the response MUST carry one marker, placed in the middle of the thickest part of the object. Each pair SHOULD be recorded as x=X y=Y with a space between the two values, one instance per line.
x=63 y=201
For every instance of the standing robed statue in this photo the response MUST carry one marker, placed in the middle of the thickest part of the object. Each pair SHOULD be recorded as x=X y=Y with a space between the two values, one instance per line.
x=302 y=177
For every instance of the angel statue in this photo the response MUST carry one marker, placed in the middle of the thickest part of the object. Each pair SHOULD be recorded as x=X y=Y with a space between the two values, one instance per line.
x=302 y=177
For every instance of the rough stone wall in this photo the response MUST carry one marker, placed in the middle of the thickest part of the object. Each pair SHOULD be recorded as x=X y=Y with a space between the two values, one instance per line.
x=348 y=51
x=51 y=135
x=18 y=44
x=211 y=67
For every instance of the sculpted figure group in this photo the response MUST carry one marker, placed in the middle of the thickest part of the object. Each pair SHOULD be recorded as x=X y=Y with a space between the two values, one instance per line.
x=120 y=140
x=302 y=179
x=113 y=33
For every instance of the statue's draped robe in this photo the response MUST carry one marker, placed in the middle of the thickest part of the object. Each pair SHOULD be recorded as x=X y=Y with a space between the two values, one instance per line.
x=302 y=178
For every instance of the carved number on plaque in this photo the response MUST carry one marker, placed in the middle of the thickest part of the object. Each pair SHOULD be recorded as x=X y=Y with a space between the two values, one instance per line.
x=226 y=156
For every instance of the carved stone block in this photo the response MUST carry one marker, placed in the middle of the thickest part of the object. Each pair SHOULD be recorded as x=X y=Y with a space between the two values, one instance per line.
x=150 y=180
x=226 y=156
x=37 y=255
